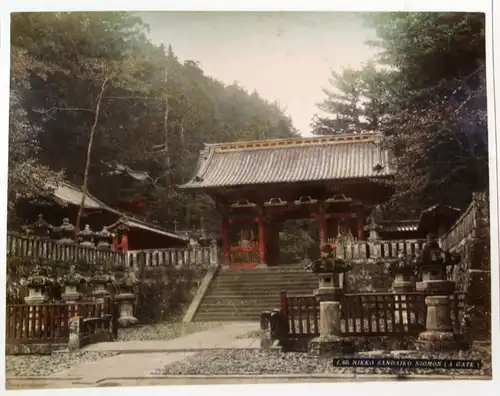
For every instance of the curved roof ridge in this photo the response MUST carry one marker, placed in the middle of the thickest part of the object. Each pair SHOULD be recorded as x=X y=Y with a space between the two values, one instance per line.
x=300 y=140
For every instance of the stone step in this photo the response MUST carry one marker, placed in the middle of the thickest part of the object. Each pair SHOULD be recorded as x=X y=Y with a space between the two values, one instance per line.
x=243 y=318
x=236 y=311
x=277 y=282
x=245 y=294
x=267 y=274
x=250 y=294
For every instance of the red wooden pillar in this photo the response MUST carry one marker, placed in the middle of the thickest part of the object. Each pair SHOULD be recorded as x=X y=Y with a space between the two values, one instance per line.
x=262 y=236
x=361 y=224
x=322 y=224
x=225 y=235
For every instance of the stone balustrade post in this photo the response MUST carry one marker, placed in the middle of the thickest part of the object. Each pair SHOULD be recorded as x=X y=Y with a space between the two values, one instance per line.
x=330 y=340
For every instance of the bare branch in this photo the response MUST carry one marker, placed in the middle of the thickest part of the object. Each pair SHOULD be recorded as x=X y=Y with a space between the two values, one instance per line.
x=89 y=152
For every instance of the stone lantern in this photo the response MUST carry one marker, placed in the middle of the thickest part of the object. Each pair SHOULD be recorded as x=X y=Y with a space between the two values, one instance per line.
x=126 y=298
x=329 y=270
x=330 y=290
x=86 y=237
x=71 y=281
x=101 y=280
x=432 y=263
x=38 y=283
x=104 y=239
x=403 y=271
x=40 y=228
x=66 y=232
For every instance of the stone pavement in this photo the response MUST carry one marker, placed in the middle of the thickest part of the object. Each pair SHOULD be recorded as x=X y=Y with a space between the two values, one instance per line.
x=140 y=358
x=219 y=338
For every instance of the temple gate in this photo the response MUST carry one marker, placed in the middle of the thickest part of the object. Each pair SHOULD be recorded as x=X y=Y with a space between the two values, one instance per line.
x=334 y=180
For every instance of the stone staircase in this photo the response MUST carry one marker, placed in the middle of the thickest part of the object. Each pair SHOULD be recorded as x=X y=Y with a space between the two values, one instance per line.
x=242 y=295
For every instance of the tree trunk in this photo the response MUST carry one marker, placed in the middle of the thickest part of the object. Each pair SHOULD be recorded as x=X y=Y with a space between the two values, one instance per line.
x=89 y=152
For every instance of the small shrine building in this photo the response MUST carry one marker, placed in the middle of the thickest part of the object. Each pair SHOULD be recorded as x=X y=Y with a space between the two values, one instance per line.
x=334 y=180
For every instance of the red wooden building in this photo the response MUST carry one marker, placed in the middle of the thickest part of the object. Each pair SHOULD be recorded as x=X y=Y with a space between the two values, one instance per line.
x=334 y=180
x=65 y=202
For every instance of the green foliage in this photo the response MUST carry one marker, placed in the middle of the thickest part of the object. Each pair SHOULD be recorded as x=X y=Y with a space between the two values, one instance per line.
x=26 y=177
x=297 y=241
x=165 y=294
x=426 y=92
x=156 y=112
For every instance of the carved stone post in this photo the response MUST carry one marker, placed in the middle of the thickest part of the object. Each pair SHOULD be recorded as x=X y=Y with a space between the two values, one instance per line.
x=126 y=298
x=438 y=334
x=214 y=254
x=74 y=333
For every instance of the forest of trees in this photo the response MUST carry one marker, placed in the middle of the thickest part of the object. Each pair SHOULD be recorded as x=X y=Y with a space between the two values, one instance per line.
x=80 y=77
x=426 y=91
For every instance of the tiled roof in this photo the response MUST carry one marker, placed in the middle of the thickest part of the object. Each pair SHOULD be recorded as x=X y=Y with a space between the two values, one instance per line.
x=291 y=160
x=134 y=223
x=71 y=194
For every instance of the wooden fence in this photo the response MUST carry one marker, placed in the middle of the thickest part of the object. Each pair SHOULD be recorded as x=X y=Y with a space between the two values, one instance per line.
x=367 y=314
x=22 y=246
x=390 y=249
x=49 y=323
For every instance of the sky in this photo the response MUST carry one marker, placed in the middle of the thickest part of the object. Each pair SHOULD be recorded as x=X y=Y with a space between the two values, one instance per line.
x=284 y=56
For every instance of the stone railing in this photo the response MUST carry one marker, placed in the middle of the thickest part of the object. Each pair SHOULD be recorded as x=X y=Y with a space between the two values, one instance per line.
x=463 y=230
x=390 y=249
x=25 y=246
x=198 y=257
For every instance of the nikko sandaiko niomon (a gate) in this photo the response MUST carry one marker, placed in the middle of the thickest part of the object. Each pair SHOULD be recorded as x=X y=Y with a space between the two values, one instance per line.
x=334 y=180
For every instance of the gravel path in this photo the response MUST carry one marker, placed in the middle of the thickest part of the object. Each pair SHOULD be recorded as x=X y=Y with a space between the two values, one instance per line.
x=163 y=331
x=246 y=362
x=44 y=365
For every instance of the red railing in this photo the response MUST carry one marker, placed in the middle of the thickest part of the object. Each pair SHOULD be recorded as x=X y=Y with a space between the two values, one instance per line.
x=47 y=323
x=367 y=314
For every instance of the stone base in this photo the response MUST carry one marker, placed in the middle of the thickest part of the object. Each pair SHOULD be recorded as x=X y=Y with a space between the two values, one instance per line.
x=327 y=346
x=261 y=265
x=127 y=321
x=70 y=298
x=34 y=300
x=403 y=287
x=442 y=287
x=437 y=341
